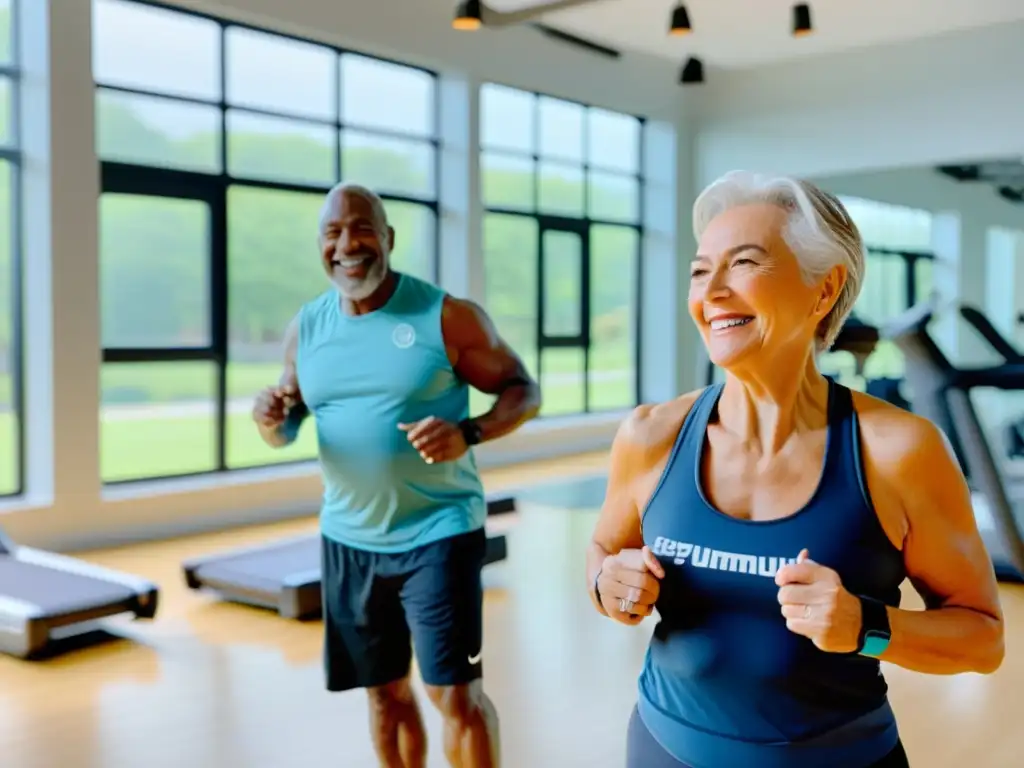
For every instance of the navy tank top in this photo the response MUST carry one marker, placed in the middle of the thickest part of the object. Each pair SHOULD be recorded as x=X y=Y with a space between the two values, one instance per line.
x=725 y=683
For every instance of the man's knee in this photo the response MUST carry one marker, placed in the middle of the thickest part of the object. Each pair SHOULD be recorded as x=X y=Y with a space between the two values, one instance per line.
x=457 y=702
x=386 y=700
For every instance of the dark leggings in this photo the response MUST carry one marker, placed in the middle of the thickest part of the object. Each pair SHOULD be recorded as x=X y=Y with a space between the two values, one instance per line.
x=642 y=751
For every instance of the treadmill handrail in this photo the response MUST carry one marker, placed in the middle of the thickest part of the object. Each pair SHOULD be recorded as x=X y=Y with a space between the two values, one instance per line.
x=1009 y=376
x=977 y=319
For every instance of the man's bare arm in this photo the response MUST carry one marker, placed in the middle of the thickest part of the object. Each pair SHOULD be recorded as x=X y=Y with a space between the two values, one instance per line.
x=482 y=359
x=284 y=433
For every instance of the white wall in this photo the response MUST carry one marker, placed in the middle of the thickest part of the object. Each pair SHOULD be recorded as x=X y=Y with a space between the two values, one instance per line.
x=915 y=104
x=66 y=506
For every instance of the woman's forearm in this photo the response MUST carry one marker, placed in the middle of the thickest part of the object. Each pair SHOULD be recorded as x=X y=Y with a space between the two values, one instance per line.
x=595 y=558
x=945 y=641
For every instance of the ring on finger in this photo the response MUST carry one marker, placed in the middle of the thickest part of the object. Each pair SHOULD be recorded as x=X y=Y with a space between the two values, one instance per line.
x=807 y=611
x=626 y=606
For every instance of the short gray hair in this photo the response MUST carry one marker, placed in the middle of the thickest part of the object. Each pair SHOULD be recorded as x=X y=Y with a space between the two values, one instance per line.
x=820 y=232
x=380 y=214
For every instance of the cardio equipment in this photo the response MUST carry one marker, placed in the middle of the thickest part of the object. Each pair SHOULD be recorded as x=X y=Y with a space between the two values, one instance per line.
x=46 y=599
x=941 y=393
x=1013 y=433
x=285 y=576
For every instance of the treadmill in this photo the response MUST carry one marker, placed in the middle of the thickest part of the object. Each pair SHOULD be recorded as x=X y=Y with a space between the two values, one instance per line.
x=47 y=599
x=284 y=576
x=941 y=392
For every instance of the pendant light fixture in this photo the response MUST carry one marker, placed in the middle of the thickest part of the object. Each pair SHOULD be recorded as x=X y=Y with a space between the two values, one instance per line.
x=467 y=16
x=693 y=72
x=802 y=20
x=680 y=23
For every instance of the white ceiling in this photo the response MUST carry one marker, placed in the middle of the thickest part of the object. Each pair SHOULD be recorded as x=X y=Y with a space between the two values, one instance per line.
x=744 y=33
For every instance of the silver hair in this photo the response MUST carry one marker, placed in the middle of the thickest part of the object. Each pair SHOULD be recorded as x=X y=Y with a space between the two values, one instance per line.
x=380 y=214
x=820 y=232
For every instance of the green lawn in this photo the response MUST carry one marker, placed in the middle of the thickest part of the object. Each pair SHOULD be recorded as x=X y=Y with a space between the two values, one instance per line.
x=157 y=419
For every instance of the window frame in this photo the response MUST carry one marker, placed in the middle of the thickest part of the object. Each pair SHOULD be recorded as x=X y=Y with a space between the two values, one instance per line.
x=584 y=223
x=11 y=154
x=118 y=177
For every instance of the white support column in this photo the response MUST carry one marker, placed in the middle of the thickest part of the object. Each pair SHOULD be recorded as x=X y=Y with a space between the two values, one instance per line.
x=946 y=245
x=659 y=326
x=1004 y=280
x=461 y=241
x=61 y=186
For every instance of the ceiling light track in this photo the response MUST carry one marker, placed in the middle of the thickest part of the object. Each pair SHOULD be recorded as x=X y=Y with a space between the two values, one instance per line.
x=473 y=14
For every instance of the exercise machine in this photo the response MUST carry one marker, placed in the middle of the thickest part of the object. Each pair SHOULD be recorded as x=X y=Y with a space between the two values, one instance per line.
x=942 y=393
x=284 y=576
x=46 y=598
x=1013 y=432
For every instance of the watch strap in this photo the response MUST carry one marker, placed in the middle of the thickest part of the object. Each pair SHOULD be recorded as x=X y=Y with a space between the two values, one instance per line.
x=471 y=431
x=875 y=632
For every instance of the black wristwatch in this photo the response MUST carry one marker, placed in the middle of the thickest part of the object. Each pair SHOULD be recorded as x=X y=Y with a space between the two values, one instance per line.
x=875 y=632
x=471 y=432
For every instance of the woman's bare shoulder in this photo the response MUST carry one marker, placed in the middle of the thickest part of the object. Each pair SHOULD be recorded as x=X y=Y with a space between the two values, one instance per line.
x=894 y=437
x=653 y=427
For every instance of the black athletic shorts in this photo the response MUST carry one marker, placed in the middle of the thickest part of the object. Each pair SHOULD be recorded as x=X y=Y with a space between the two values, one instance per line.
x=377 y=607
x=643 y=751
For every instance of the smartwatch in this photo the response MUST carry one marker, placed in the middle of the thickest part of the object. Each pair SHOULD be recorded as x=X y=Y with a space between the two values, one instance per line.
x=875 y=632
x=471 y=431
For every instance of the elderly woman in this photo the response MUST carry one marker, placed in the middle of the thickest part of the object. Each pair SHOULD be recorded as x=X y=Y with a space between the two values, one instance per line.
x=771 y=519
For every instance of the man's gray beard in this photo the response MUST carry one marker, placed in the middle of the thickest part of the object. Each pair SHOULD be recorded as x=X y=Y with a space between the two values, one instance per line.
x=364 y=289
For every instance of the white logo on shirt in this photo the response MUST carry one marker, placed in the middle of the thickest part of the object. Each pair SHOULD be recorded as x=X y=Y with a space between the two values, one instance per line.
x=683 y=552
x=404 y=336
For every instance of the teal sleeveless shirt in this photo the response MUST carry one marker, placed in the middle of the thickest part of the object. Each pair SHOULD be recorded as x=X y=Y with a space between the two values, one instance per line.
x=363 y=375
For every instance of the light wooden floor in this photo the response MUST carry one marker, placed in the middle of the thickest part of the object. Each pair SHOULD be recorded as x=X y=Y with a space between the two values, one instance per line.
x=212 y=685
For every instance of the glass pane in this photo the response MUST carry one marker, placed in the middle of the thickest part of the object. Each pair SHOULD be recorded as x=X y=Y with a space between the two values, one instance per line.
x=924 y=278
x=398 y=166
x=563 y=283
x=273 y=269
x=6 y=33
x=562 y=381
x=507 y=118
x=149 y=130
x=561 y=129
x=614 y=271
x=157 y=419
x=891 y=226
x=9 y=454
x=133 y=43
x=883 y=295
x=6 y=111
x=154 y=271
x=507 y=181
x=613 y=141
x=510 y=287
x=614 y=197
x=380 y=94
x=560 y=190
x=280 y=74
x=280 y=149
x=415 y=238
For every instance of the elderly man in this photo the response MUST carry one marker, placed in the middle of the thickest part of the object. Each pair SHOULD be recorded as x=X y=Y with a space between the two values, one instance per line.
x=383 y=361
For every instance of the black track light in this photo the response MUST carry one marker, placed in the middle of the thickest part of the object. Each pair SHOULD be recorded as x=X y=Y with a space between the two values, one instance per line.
x=467 y=16
x=802 y=20
x=693 y=72
x=680 y=24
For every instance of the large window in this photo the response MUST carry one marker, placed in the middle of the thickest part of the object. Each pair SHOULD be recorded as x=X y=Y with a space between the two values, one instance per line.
x=562 y=188
x=899 y=274
x=217 y=144
x=11 y=401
